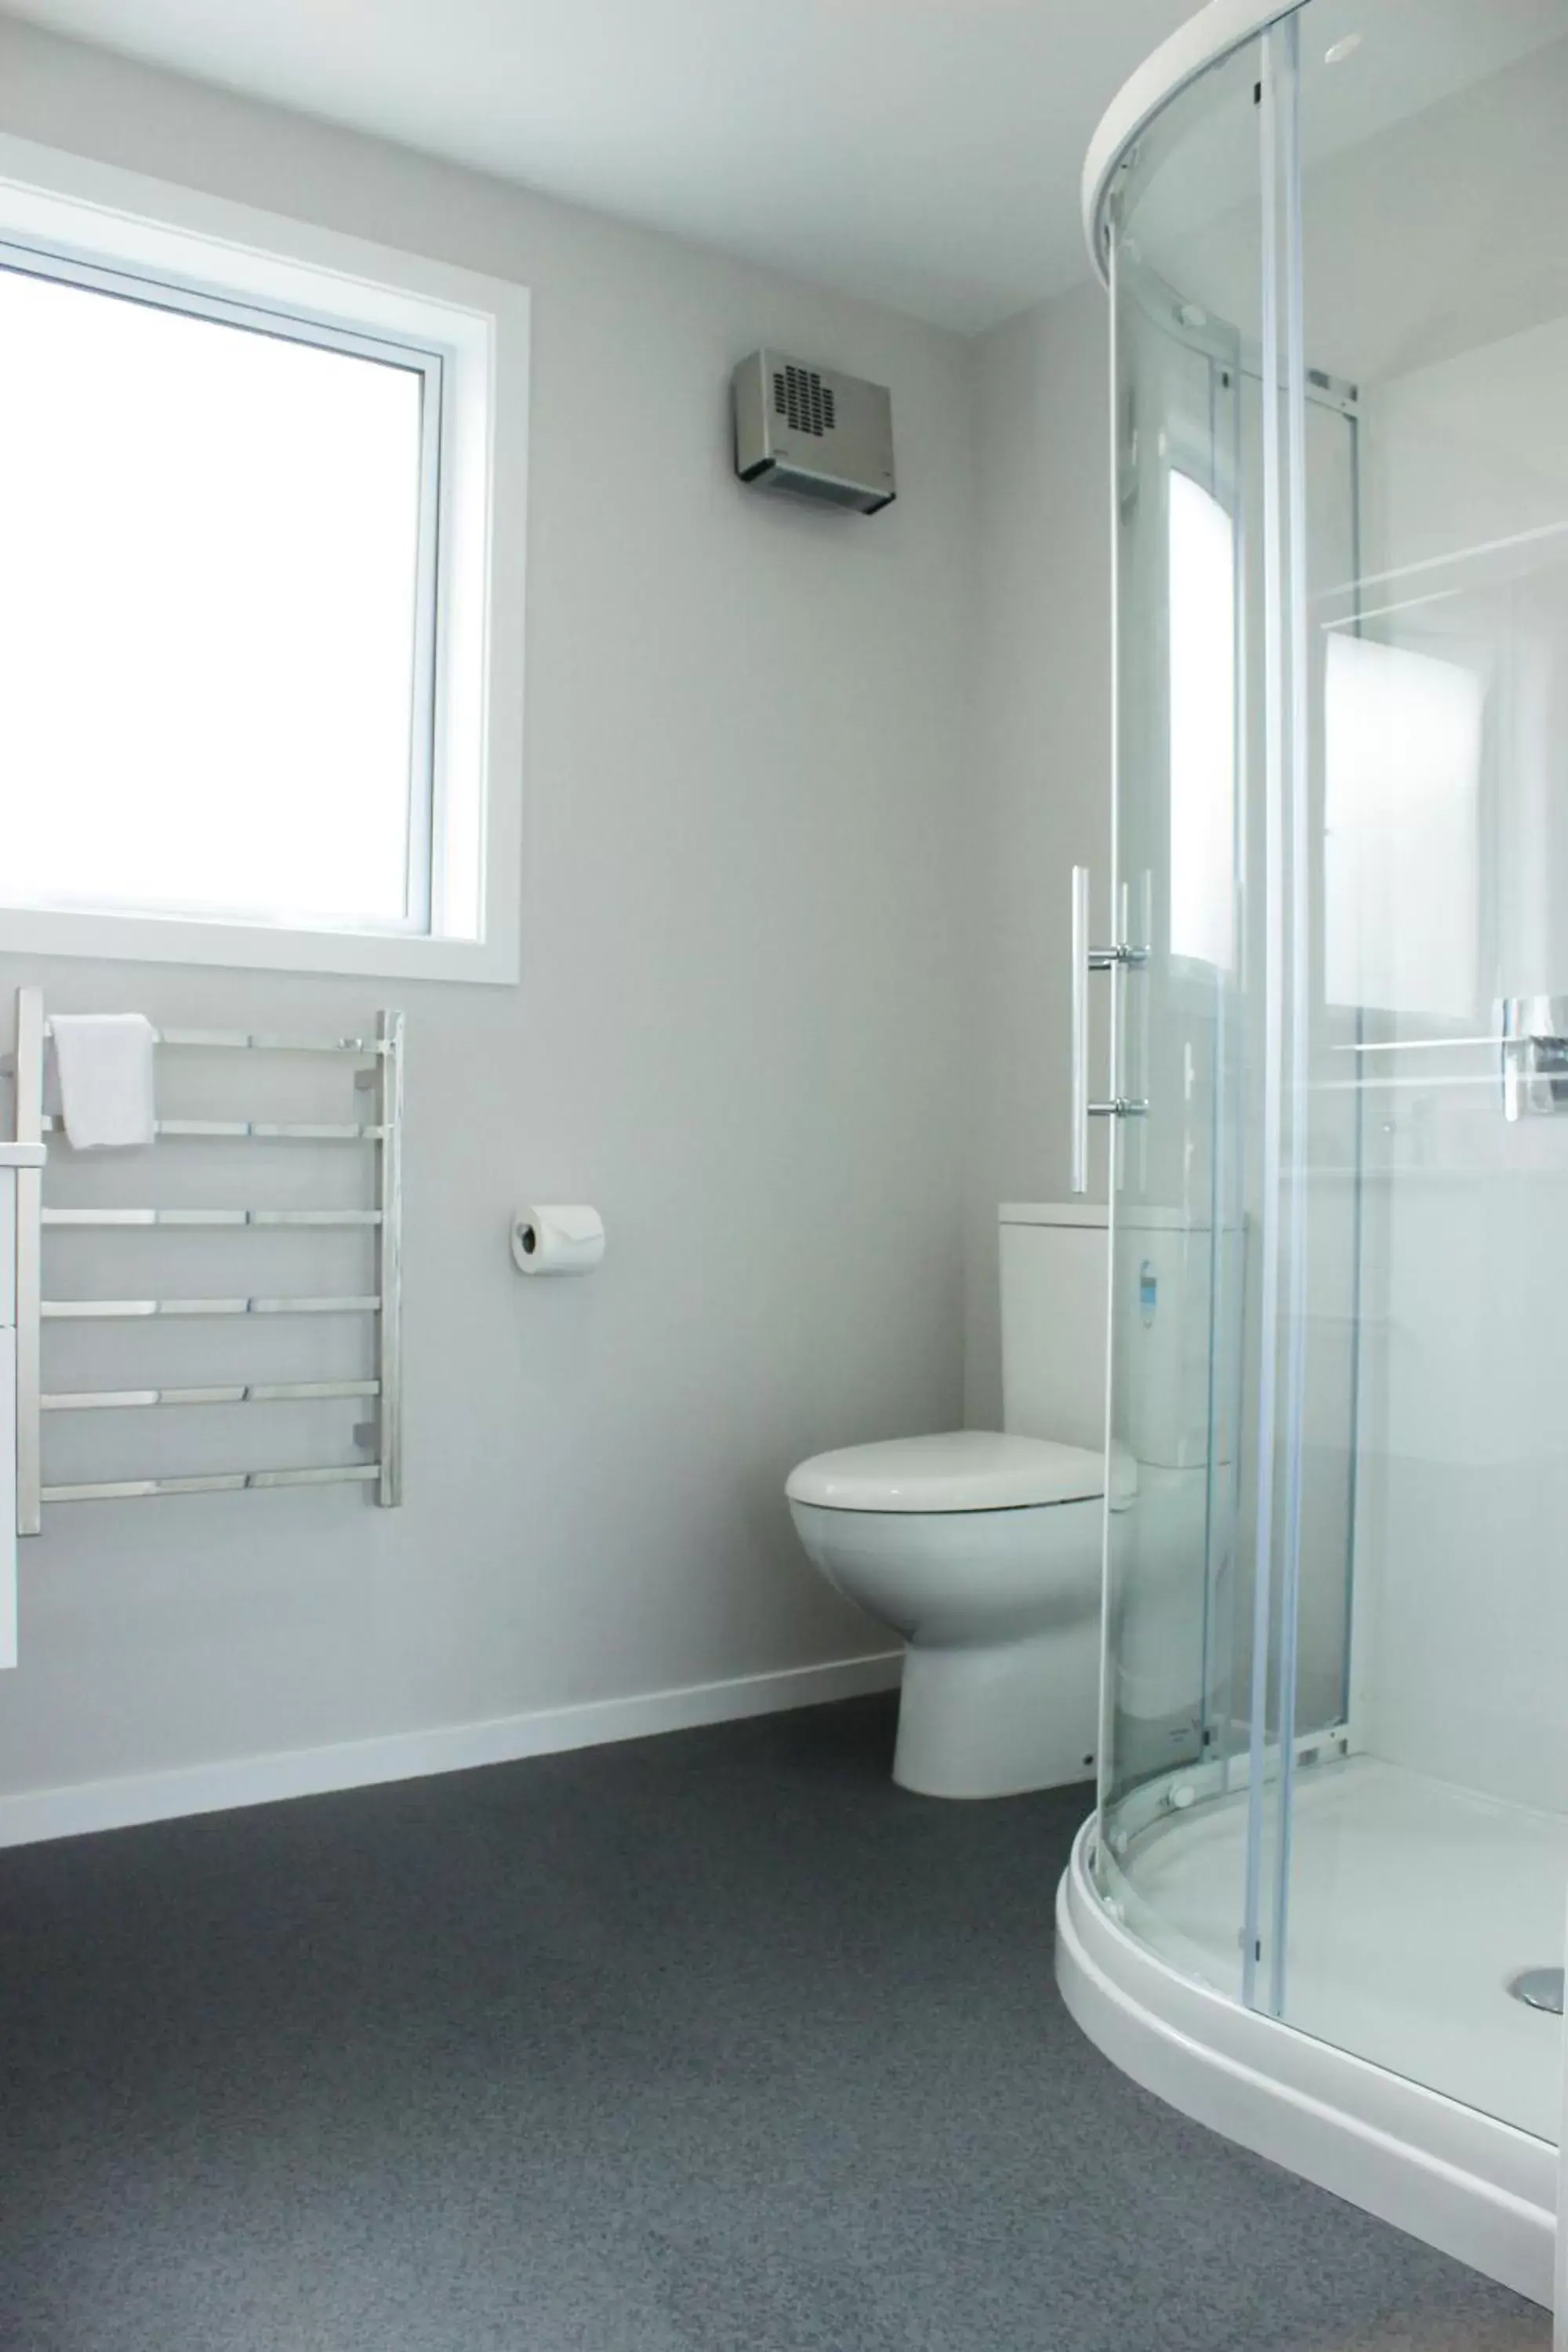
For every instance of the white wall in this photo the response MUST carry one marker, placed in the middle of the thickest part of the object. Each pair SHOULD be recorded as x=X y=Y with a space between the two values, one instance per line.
x=1039 y=799
x=739 y=1028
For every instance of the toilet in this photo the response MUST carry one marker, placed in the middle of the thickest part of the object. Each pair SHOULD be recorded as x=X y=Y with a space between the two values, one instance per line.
x=983 y=1548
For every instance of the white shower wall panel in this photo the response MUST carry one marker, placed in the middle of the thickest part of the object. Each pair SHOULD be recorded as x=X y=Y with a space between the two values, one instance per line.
x=1462 y=1605
x=1463 y=1495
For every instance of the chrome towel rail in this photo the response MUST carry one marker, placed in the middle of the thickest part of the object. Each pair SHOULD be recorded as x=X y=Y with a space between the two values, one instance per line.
x=212 y=1217
x=218 y=1482
x=253 y=1392
x=29 y=1076
x=268 y=1130
x=247 y=1041
x=377 y=1067
x=98 y=1310
x=389 y=1257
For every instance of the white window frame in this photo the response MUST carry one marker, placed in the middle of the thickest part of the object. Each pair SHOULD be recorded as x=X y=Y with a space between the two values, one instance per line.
x=73 y=218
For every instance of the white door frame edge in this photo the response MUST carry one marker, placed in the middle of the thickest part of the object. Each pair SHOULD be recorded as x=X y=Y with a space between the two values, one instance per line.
x=1217 y=29
x=1465 y=2182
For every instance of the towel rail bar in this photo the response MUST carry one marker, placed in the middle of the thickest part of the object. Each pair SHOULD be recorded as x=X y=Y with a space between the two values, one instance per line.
x=30 y=1063
x=219 y=1482
x=268 y=1130
x=252 y=1392
x=75 y=1217
x=100 y=1311
x=389 y=1256
x=245 y=1041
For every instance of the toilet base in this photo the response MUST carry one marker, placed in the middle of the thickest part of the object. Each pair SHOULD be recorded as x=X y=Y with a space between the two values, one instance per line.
x=1000 y=1720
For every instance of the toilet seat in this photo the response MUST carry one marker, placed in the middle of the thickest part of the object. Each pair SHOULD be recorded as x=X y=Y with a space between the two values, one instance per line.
x=961 y=1470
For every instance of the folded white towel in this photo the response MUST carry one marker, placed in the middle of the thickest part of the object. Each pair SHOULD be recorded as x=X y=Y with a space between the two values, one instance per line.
x=104 y=1064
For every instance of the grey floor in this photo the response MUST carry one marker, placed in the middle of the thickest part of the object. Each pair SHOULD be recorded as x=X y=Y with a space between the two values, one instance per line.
x=711 y=2043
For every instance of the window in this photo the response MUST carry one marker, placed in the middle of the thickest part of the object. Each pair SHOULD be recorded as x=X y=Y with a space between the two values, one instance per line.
x=254 y=705
x=1402 y=756
x=215 y=610
x=1201 y=633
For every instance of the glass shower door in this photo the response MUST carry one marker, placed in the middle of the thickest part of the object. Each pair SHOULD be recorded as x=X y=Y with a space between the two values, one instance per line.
x=1232 y=1397
x=1431 y=1870
x=1334 y=1769
x=1177 y=1318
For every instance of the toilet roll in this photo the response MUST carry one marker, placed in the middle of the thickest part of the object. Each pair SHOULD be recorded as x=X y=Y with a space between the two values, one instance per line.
x=557 y=1241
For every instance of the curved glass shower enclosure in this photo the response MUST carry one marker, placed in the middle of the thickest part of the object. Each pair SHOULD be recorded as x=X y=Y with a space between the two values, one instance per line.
x=1335 y=1756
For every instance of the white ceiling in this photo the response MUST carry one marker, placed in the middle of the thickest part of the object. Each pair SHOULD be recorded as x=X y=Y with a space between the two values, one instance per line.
x=922 y=152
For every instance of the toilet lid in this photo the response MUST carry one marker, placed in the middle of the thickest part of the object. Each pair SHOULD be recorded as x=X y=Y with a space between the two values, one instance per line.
x=965 y=1470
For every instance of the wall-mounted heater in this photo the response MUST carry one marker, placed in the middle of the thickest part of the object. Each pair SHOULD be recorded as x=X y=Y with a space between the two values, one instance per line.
x=812 y=432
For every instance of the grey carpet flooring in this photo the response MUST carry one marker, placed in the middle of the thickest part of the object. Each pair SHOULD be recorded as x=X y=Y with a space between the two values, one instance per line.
x=711 y=2043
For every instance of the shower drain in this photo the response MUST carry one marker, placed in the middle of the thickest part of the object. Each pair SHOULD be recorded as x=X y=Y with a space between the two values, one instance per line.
x=1539 y=1988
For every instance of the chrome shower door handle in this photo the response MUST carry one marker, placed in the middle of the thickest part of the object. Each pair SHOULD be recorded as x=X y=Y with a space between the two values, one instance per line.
x=1085 y=959
x=1532 y=1031
x=1080 y=1029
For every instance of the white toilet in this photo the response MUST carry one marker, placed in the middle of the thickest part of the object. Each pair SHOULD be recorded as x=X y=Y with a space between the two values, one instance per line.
x=984 y=1550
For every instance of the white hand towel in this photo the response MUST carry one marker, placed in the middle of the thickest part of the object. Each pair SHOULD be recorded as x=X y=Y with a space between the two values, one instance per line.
x=104 y=1062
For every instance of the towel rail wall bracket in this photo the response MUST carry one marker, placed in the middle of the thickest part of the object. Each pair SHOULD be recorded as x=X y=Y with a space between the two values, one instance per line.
x=378 y=1068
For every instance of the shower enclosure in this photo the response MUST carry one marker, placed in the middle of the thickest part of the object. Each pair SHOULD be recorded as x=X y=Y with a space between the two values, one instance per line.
x=1324 y=1891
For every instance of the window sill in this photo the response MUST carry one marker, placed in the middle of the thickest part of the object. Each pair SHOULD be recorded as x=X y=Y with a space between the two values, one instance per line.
x=256 y=946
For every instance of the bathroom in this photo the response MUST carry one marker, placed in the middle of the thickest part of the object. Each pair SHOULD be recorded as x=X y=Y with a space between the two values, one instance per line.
x=490 y=1917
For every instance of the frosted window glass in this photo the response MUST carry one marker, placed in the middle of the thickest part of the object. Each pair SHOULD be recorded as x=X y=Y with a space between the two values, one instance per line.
x=208 y=589
x=1402 y=747
x=1201 y=633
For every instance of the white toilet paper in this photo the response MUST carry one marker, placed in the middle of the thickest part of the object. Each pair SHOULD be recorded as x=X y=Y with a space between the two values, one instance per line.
x=557 y=1241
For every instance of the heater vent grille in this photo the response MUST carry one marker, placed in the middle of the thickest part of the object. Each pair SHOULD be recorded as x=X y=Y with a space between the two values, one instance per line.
x=803 y=400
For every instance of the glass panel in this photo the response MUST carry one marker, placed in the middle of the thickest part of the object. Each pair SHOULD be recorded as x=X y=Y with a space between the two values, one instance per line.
x=1184 y=307
x=1226 y=1266
x=1201 y=717
x=1336 y=1764
x=207 y=601
x=1431 y=1863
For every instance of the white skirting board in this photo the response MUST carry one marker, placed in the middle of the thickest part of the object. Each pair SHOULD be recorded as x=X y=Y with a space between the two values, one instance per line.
x=38 y=1813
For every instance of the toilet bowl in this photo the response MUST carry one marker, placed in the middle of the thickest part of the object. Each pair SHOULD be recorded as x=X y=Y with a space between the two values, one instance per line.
x=983 y=1551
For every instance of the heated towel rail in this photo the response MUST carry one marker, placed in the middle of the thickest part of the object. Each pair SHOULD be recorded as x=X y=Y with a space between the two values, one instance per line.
x=376 y=1061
